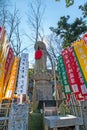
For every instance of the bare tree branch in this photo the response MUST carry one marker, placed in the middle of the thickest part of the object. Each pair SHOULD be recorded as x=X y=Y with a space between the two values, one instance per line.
x=13 y=22
x=53 y=46
x=35 y=18
x=3 y=16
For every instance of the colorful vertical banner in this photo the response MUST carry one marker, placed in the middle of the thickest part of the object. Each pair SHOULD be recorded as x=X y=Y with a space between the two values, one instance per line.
x=70 y=72
x=63 y=75
x=77 y=72
x=13 y=79
x=2 y=71
x=3 y=42
x=8 y=65
x=81 y=54
x=23 y=75
x=3 y=45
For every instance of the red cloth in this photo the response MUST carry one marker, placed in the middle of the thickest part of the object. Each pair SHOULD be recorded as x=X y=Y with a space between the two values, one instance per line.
x=38 y=54
x=85 y=35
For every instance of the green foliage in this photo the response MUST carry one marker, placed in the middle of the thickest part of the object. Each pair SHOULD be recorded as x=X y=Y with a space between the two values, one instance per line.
x=84 y=10
x=68 y=2
x=64 y=109
x=30 y=73
x=70 y=32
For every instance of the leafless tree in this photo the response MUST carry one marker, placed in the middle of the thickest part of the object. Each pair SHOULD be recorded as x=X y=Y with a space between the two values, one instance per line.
x=16 y=42
x=3 y=3
x=53 y=46
x=35 y=16
x=11 y=21
x=3 y=16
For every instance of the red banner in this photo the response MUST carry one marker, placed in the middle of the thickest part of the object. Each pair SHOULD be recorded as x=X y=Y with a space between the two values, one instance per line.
x=8 y=65
x=78 y=75
x=69 y=64
x=79 y=86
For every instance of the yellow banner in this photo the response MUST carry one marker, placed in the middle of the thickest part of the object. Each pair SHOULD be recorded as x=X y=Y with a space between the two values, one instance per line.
x=81 y=53
x=12 y=81
x=2 y=72
x=3 y=47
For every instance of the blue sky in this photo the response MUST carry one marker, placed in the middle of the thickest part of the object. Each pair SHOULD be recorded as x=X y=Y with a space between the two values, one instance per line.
x=53 y=12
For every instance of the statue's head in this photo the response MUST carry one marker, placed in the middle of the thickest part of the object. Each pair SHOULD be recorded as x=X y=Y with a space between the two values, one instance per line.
x=40 y=46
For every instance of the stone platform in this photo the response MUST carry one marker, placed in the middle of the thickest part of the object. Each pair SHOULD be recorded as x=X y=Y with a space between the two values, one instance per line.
x=62 y=121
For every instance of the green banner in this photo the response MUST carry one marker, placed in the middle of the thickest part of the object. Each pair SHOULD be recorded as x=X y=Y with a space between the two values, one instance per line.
x=63 y=76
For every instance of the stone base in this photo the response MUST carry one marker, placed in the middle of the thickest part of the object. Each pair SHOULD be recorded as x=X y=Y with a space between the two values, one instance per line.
x=43 y=91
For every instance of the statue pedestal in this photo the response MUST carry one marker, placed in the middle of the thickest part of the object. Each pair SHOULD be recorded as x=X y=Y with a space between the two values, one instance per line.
x=43 y=91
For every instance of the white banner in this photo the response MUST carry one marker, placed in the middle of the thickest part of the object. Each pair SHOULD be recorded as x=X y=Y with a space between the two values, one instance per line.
x=23 y=75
